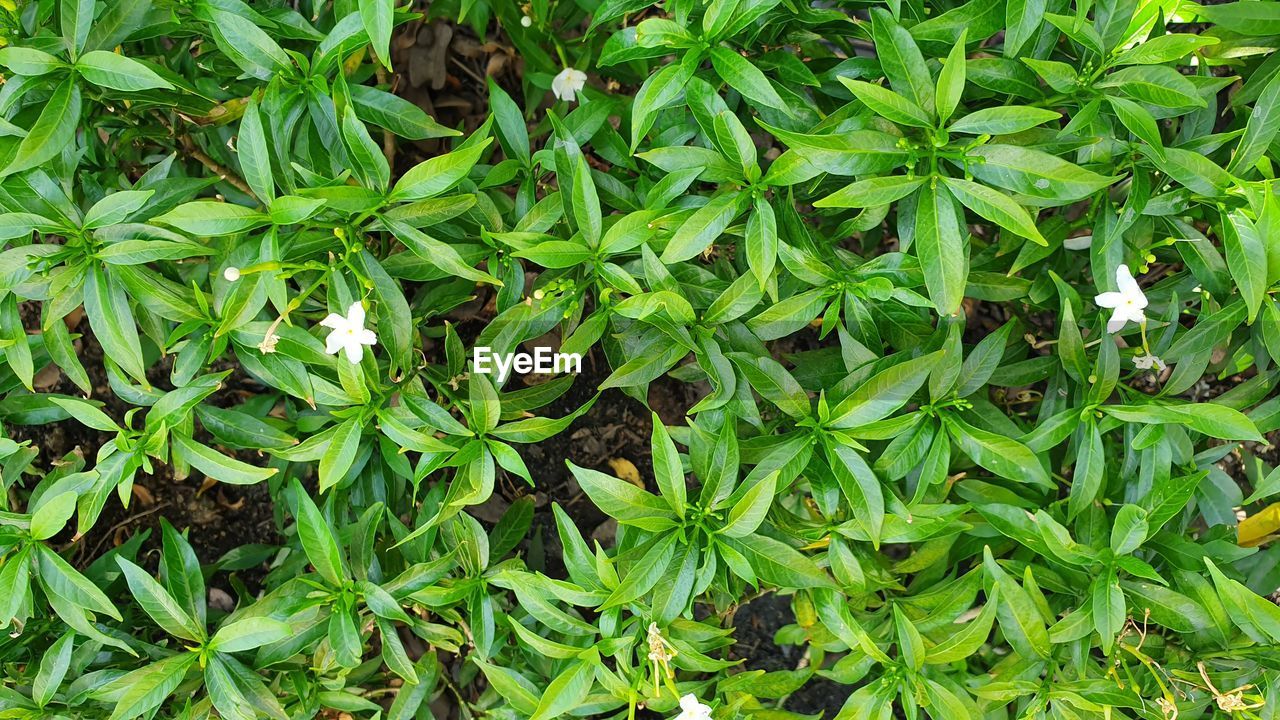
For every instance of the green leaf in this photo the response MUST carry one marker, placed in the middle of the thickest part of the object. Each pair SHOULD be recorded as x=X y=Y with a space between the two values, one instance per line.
x=703 y=227
x=1129 y=531
x=29 y=61
x=376 y=15
x=779 y=564
x=746 y=78
x=514 y=687
x=749 y=510
x=1090 y=470
x=208 y=218
x=1002 y=120
x=940 y=246
x=1247 y=259
x=566 y=691
x=116 y=207
x=180 y=573
x=1108 y=607
x=586 y=203
x=872 y=192
x=645 y=573
x=248 y=46
x=255 y=159
x=1003 y=456
x=439 y=254
x=159 y=604
x=52 y=515
x=1022 y=19
x=218 y=466
x=1155 y=84
x=59 y=578
x=225 y=695
x=901 y=60
x=434 y=176
x=620 y=499
x=667 y=469
x=112 y=321
x=888 y=104
x=951 y=80
x=396 y=114
x=769 y=378
x=249 y=633
x=53 y=668
x=861 y=488
x=1260 y=129
x=147 y=687
x=1211 y=419
x=1138 y=121
x=1161 y=49
x=513 y=133
x=86 y=413
x=370 y=166
x=883 y=393
x=340 y=454
x=966 y=641
x=117 y=72
x=1050 y=180
x=1019 y=619
x=75 y=20
x=1247 y=18
x=1257 y=616
x=996 y=207
x=317 y=539
x=53 y=131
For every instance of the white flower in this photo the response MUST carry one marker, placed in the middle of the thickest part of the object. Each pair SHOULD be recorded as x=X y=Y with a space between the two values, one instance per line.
x=1148 y=362
x=1127 y=304
x=526 y=21
x=348 y=333
x=567 y=84
x=691 y=709
x=231 y=274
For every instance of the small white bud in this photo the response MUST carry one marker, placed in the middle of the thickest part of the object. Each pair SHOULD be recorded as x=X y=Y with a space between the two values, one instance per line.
x=526 y=21
x=231 y=274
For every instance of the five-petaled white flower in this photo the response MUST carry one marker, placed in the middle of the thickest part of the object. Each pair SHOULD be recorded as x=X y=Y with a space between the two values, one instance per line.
x=1127 y=304
x=348 y=333
x=1148 y=362
x=691 y=709
x=567 y=84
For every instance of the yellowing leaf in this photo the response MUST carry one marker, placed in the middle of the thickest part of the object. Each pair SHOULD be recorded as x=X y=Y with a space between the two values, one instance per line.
x=626 y=470
x=1260 y=527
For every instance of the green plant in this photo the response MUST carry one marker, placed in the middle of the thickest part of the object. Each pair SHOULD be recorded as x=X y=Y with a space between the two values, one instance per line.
x=955 y=321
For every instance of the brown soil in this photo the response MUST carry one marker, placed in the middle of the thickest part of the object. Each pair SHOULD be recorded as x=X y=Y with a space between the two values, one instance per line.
x=219 y=519
x=755 y=625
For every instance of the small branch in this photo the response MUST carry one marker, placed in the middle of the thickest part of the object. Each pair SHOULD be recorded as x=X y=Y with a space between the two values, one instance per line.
x=222 y=171
x=189 y=147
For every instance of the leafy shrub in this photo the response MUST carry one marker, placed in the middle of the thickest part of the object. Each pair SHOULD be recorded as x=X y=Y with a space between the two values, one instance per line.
x=960 y=316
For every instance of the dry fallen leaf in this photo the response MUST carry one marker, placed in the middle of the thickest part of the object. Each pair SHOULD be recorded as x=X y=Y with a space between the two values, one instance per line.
x=48 y=377
x=144 y=495
x=206 y=486
x=626 y=470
